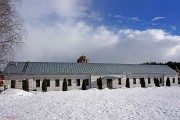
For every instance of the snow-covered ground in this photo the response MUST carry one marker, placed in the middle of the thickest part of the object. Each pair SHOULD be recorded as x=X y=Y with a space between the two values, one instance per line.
x=161 y=103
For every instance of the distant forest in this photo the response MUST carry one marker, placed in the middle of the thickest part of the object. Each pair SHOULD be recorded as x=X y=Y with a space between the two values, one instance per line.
x=173 y=65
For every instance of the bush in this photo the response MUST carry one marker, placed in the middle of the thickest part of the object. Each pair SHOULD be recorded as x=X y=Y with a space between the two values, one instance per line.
x=156 y=82
x=127 y=83
x=44 y=85
x=168 y=83
x=64 y=87
x=100 y=83
x=84 y=85
x=25 y=85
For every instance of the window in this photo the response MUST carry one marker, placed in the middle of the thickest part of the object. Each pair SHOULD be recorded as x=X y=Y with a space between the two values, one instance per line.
x=37 y=83
x=134 y=80
x=149 y=80
x=78 y=82
x=87 y=82
x=173 y=80
x=48 y=82
x=13 y=83
x=57 y=83
x=160 y=80
x=69 y=82
x=119 y=81
x=178 y=80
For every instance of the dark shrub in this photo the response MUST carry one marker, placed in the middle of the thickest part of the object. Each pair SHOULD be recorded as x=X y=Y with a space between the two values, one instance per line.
x=100 y=83
x=25 y=85
x=84 y=85
x=127 y=83
x=65 y=86
x=44 y=85
x=168 y=82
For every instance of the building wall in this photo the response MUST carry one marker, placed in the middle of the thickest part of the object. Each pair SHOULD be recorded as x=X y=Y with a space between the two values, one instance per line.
x=32 y=81
x=92 y=80
x=131 y=76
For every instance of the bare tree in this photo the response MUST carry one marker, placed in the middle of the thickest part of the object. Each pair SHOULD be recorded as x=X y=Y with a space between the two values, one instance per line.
x=12 y=30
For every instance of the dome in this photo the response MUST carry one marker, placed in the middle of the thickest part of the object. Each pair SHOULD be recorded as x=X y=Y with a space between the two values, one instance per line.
x=82 y=59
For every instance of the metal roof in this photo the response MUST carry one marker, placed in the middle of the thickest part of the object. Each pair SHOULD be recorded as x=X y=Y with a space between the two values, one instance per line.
x=88 y=68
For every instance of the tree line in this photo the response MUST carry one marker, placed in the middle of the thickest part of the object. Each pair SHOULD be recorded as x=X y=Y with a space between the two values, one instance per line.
x=173 y=65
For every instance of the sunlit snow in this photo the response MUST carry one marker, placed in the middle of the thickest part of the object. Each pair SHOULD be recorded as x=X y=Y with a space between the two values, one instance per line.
x=155 y=103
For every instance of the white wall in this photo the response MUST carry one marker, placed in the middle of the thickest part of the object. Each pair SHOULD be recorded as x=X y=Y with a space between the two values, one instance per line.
x=92 y=78
x=33 y=78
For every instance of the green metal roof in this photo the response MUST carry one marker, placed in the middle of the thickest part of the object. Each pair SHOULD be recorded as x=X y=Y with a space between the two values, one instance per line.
x=88 y=68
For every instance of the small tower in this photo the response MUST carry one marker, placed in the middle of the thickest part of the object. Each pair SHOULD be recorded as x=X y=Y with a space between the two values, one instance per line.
x=82 y=59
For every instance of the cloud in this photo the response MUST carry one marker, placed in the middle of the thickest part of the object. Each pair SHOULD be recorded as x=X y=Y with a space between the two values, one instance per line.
x=39 y=12
x=59 y=36
x=173 y=27
x=67 y=39
x=157 y=18
x=95 y=16
x=134 y=19
x=154 y=24
x=118 y=16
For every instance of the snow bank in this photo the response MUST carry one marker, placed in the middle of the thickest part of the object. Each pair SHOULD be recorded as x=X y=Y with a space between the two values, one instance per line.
x=15 y=92
x=116 y=104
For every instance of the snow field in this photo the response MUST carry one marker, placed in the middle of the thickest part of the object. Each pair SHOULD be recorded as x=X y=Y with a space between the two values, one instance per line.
x=162 y=103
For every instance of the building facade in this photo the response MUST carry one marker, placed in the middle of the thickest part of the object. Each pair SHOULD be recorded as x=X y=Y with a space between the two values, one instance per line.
x=112 y=75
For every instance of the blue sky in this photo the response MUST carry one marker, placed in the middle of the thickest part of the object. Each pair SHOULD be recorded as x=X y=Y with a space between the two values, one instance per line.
x=139 y=14
x=108 y=31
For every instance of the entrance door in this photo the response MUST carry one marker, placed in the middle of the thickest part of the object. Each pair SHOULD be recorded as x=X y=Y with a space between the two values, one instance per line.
x=13 y=83
x=109 y=83
x=142 y=82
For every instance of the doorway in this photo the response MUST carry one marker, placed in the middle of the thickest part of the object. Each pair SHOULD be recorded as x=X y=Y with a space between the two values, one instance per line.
x=109 y=83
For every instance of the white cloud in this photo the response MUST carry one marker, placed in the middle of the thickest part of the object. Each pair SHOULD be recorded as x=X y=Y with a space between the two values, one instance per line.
x=118 y=16
x=95 y=16
x=154 y=24
x=67 y=39
x=157 y=18
x=173 y=27
x=71 y=8
x=134 y=19
x=55 y=36
x=37 y=12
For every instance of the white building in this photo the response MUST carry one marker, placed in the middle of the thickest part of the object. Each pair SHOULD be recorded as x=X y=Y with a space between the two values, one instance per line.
x=113 y=75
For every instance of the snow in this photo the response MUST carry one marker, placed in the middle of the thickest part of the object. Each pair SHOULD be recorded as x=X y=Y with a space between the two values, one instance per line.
x=155 y=103
x=15 y=92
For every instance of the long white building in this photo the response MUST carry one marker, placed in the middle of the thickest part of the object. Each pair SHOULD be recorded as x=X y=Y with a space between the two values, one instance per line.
x=113 y=75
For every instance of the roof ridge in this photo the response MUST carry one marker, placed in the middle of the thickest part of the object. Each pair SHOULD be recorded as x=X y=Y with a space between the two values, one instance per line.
x=89 y=63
